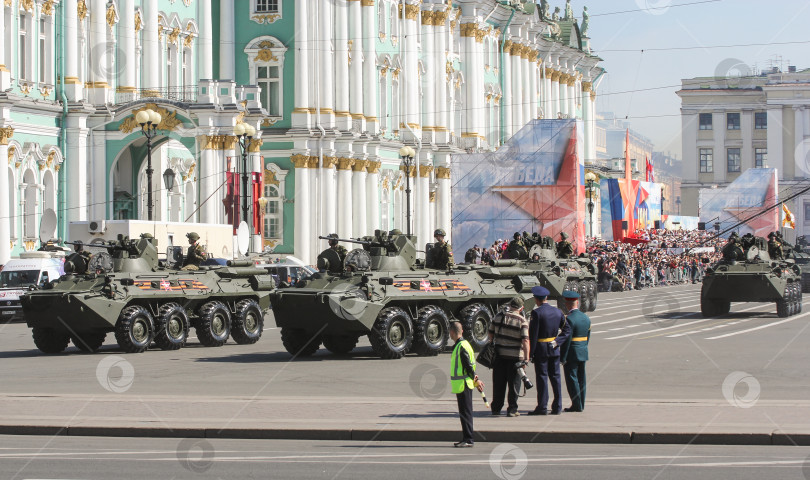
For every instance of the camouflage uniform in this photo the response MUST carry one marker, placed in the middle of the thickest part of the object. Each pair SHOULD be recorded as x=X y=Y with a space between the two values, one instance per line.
x=564 y=247
x=775 y=250
x=194 y=257
x=442 y=256
x=341 y=251
x=732 y=249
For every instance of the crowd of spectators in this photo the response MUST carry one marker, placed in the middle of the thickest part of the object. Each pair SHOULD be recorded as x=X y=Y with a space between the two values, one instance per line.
x=654 y=257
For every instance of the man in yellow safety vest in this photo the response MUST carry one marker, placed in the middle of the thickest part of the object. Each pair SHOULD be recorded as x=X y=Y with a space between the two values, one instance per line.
x=462 y=380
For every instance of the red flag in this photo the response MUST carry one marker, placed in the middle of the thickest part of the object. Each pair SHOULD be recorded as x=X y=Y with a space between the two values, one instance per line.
x=258 y=190
x=649 y=176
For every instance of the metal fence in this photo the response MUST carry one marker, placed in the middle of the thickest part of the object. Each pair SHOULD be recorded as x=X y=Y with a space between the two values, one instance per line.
x=187 y=94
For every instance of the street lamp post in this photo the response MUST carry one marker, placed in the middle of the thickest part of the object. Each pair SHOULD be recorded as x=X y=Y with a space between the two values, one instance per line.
x=590 y=180
x=149 y=120
x=244 y=135
x=168 y=183
x=407 y=153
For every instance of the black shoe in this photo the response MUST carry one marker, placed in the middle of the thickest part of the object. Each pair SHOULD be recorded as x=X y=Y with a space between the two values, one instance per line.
x=571 y=409
x=555 y=412
x=463 y=444
x=496 y=414
x=537 y=411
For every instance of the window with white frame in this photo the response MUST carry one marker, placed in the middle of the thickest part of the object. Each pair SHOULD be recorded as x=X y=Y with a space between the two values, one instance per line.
x=266 y=60
x=268 y=78
x=395 y=21
x=186 y=74
x=267 y=6
x=381 y=10
x=22 y=57
x=171 y=66
x=273 y=213
x=41 y=54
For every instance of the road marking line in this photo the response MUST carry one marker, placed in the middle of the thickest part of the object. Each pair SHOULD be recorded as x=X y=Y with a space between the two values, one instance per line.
x=790 y=319
x=691 y=323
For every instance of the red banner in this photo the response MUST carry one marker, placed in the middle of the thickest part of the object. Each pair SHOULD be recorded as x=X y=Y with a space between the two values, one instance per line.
x=258 y=191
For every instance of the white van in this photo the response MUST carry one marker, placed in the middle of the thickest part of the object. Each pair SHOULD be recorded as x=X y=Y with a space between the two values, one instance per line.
x=19 y=274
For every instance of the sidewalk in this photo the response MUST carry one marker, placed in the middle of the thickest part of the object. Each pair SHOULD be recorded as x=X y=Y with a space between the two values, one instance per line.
x=391 y=419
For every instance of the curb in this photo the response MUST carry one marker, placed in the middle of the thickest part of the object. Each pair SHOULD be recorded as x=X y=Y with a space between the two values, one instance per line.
x=392 y=435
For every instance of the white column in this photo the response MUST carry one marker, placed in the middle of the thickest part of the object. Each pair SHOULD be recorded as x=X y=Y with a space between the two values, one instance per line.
x=5 y=63
x=533 y=90
x=207 y=170
x=151 y=64
x=359 y=223
x=440 y=75
x=356 y=84
x=373 y=196
x=227 y=51
x=468 y=48
x=775 y=142
x=329 y=195
x=517 y=88
x=98 y=179
x=73 y=86
x=126 y=42
x=300 y=113
x=341 y=40
x=409 y=68
x=327 y=65
x=430 y=85
x=369 y=66
x=76 y=159
x=344 y=197
x=563 y=89
x=589 y=123
x=555 y=95
x=507 y=99
x=303 y=212
x=443 y=219
x=528 y=94
x=5 y=208
x=572 y=98
x=800 y=155
x=205 y=49
x=98 y=45
x=422 y=212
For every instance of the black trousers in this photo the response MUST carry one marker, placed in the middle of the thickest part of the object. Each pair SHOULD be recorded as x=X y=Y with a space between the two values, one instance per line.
x=545 y=370
x=505 y=375
x=465 y=413
x=575 y=383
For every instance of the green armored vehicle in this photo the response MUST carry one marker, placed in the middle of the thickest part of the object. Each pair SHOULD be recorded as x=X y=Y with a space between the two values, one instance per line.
x=748 y=274
x=577 y=274
x=800 y=253
x=124 y=290
x=380 y=291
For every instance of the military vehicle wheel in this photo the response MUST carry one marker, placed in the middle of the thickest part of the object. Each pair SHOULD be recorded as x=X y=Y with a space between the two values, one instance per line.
x=248 y=322
x=392 y=333
x=584 y=297
x=571 y=286
x=711 y=307
x=298 y=342
x=799 y=295
x=214 y=325
x=431 y=331
x=171 y=327
x=135 y=329
x=88 y=342
x=49 y=340
x=340 y=344
x=475 y=319
x=594 y=290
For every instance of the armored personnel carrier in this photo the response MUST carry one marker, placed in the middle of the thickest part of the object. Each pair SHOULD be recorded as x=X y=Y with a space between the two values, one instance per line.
x=124 y=290
x=800 y=254
x=576 y=274
x=750 y=275
x=380 y=291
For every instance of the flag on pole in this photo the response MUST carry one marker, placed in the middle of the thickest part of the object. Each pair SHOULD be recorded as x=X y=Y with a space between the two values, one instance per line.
x=650 y=177
x=787 y=218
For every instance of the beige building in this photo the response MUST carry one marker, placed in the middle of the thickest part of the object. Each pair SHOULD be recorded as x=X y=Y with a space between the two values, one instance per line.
x=732 y=124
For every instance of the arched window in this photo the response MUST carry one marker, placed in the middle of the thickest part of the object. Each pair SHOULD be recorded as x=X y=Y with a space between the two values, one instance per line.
x=266 y=60
x=395 y=21
x=272 y=213
x=381 y=11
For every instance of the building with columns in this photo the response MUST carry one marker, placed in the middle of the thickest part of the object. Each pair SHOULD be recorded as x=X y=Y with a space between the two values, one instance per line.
x=334 y=89
x=732 y=124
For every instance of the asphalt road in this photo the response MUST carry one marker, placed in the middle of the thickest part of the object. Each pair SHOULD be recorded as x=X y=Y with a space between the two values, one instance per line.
x=138 y=458
x=648 y=344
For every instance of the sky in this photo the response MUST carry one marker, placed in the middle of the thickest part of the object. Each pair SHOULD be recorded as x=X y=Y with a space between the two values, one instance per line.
x=641 y=85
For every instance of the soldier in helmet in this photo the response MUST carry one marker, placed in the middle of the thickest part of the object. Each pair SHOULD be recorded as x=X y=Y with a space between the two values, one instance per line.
x=442 y=253
x=195 y=254
x=340 y=249
x=733 y=250
x=564 y=247
x=78 y=247
x=775 y=250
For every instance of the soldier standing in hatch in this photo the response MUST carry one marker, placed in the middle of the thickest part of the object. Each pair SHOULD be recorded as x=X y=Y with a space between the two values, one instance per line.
x=564 y=247
x=339 y=249
x=775 y=247
x=442 y=253
x=732 y=250
x=195 y=254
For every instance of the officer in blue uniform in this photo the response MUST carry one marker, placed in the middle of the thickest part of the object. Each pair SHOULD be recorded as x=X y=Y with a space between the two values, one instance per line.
x=547 y=331
x=574 y=352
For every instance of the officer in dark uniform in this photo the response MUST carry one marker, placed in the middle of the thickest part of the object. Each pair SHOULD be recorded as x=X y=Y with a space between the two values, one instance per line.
x=547 y=331
x=574 y=352
x=732 y=250
x=564 y=247
x=195 y=254
x=775 y=250
x=441 y=254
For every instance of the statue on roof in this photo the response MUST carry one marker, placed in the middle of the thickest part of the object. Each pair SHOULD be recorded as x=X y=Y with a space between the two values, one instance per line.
x=586 y=18
x=556 y=15
x=544 y=10
x=569 y=11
